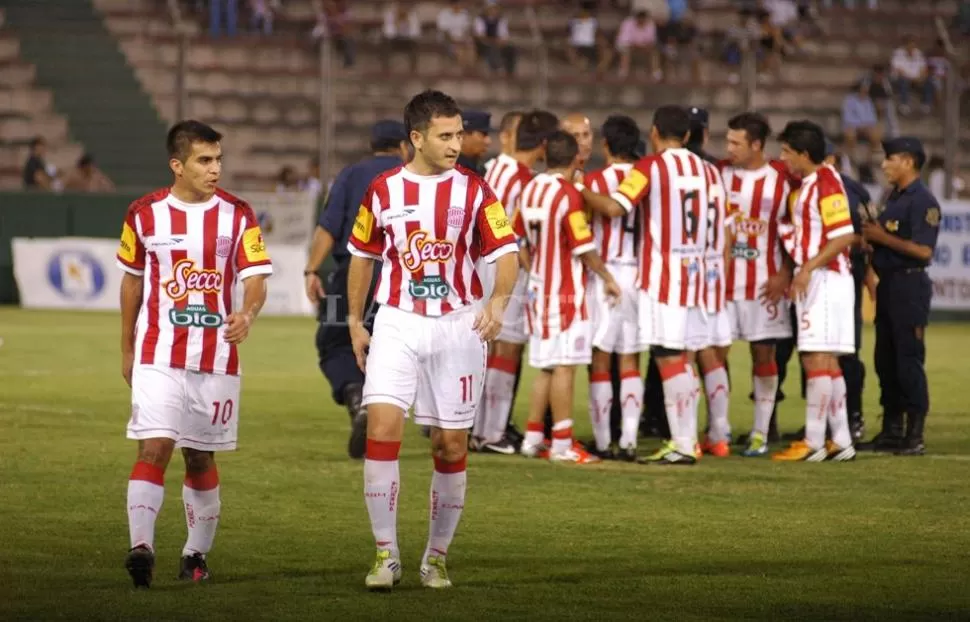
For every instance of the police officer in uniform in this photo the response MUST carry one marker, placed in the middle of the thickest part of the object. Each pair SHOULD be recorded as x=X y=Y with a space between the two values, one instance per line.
x=335 y=354
x=903 y=238
x=478 y=129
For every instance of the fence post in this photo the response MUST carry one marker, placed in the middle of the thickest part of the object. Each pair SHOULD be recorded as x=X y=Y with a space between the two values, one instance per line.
x=327 y=107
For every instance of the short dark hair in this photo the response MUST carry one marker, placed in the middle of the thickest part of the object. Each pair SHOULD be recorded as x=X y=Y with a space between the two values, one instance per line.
x=385 y=144
x=805 y=137
x=672 y=122
x=425 y=106
x=184 y=134
x=535 y=128
x=509 y=119
x=754 y=124
x=622 y=135
x=561 y=149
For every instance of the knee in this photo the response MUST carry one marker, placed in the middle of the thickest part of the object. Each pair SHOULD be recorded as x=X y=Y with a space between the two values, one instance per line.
x=156 y=451
x=198 y=461
x=449 y=448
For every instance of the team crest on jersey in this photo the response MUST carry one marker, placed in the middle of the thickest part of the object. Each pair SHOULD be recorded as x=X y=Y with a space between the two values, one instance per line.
x=456 y=216
x=223 y=246
x=186 y=278
x=422 y=249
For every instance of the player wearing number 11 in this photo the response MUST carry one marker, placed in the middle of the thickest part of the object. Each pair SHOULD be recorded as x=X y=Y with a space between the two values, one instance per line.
x=182 y=250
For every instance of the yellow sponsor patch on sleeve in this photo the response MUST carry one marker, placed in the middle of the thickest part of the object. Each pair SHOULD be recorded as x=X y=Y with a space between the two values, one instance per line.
x=634 y=185
x=835 y=209
x=498 y=220
x=254 y=246
x=579 y=226
x=126 y=250
x=363 y=225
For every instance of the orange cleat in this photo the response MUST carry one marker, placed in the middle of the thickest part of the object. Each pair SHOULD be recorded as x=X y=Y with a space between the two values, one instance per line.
x=799 y=451
x=720 y=449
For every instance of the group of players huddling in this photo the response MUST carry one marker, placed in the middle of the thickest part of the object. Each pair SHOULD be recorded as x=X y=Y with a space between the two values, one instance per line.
x=668 y=253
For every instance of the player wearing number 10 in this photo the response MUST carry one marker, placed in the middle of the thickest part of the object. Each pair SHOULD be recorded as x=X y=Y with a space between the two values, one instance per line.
x=182 y=250
x=429 y=222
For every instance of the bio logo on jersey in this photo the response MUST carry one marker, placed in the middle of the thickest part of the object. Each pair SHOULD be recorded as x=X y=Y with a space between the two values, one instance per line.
x=740 y=250
x=422 y=249
x=187 y=279
x=433 y=287
x=751 y=226
x=194 y=315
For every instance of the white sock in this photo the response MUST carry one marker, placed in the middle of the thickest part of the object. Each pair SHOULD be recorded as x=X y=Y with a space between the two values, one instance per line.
x=562 y=436
x=499 y=385
x=818 y=394
x=200 y=497
x=631 y=406
x=600 y=404
x=718 y=399
x=693 y=408
x=146 y=491
x=535 y=433
x=678 y=385
x=765 y=390
x=447 y=501
x=838 y=414
x=382 y=483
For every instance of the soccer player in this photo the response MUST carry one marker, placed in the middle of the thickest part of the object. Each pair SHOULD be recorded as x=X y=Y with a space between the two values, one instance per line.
x=817 y=239
x=615 y=329
x=183 y=249
x=758 y=273
x=551 y=216
x=579 y=127
x=506 y=176
x=429 y=222
x=676 y=188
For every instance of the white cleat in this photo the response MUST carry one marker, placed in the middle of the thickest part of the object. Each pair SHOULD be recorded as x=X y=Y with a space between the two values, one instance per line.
x=434 y=574
x=386 y=572
x=539 y=450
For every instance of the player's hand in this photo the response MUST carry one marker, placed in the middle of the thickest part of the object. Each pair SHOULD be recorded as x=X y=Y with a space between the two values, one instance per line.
x=127 y=364
x=799 y=284
x=613 y=292
x=237 y=327
x=314 y=288
x=775 y=287
x=360 y=341
x=488 y=323
x=873 y=232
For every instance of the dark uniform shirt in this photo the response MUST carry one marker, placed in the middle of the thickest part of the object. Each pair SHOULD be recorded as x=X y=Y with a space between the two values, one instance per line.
x=471 y=164
x=858 y=197
x=345 y=197
x=911 y=214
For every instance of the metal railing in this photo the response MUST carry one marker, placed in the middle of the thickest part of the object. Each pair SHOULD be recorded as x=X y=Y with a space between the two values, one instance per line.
x=541 y=88
x=181 y=29
x=951 y=110
x=328 y=109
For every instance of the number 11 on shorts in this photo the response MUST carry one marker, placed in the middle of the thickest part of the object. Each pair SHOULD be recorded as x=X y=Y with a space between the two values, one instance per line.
x=466 y=388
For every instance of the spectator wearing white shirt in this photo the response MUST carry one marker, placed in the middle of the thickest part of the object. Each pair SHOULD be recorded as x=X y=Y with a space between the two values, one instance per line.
x=586 y=45
x=262 y=16
x=454 y=25
x=638 y=34
x=909 y=71
x=401 y=31
x=783 y=15
x=859 y=119
x=492 y=39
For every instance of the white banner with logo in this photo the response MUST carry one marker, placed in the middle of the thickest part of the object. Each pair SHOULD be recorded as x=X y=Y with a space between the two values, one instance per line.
x=284 y=217
x=81 y=273
x=950 y=269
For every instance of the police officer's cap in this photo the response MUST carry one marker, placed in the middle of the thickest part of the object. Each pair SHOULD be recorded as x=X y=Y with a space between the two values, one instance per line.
x=829 y=148
x=388 y=131
x=698 y=116
x=908 y=145
x=477 y=121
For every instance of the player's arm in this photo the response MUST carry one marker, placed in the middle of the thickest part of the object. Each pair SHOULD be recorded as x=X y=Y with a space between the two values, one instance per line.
x=836 y=224
x=498 y=245
x=131 y=259
x=579 y=237
x=628 y=195
x=925 y=226
x=253 y=265
x=518 y=227
x=366 y=244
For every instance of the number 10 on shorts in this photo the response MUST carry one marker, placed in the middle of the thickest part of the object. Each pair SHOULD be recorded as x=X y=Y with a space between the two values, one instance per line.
x=222 y=412
x=466 y=388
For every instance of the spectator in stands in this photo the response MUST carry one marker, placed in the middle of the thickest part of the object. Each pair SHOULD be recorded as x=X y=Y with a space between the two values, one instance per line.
x=680 y=48
x=909 y=71
x=87 y=177
x=262 y=16
x=772 y=43
x=586 y=44
x=287 y=180
x=334 y=23
x=219 y=9
x=938 y=64
x=859 y=119
x=678 y=11
x=492 y=39
x=37 y=174
x=659 y=10
x=638 y=34
x=402 y=29
x=739 y=37
x=783 y=15
x=311 y=182
x=454 y=24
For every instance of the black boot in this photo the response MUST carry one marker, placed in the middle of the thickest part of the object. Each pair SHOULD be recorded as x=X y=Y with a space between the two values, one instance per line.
x=913 y=444
x=857 y=427
x=891 y=436
x=357 y=445
x=773 y=435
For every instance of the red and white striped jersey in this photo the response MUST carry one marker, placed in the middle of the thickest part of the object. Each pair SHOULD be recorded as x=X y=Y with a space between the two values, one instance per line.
x=429 y=230
x=758 y=199
x=506 y=176
x=551 y=217
x=618 y=239
x=190 y=256
x=718 y=222
x=819 y=213
x=675 y=190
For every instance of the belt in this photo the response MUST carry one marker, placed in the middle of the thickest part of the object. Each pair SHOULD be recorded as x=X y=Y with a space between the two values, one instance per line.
x=902 y=271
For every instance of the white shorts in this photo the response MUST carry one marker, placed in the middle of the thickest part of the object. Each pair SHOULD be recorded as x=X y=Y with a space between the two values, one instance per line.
x=826 y=317
x=196 y=410
x=753 y=321
x=670 y=326
x=435 y=364
x=708 y=330
x=616 y=329
x=571 y=347
x=514 y=327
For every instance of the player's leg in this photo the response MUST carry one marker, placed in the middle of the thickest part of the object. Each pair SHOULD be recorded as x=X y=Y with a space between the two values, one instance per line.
x=534 y=443
x=448 y=483
x=503 y=366
x=680 y=389
x=717 y=390
x=631 y=394
x=765 y=383
x=200 y=498
x=600 y=400
x=564 y=448
x=841 y=339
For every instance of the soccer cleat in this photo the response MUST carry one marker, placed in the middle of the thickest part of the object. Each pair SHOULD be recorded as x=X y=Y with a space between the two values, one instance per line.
x=838 y=454
x=140 y=564
x=799 y=451
x=575 y=454
x=193 y=568
x=513 y=434
x=668 y=455
x=504 y=447
x=434 y=574
x=757 y=446
x=720 y=449
x=357 y=445
x=626 y=454
x=386 y=572
x=606 y=454
x=540 y=450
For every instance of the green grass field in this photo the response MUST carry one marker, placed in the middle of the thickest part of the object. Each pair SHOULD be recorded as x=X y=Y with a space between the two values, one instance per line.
x=882 y=538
